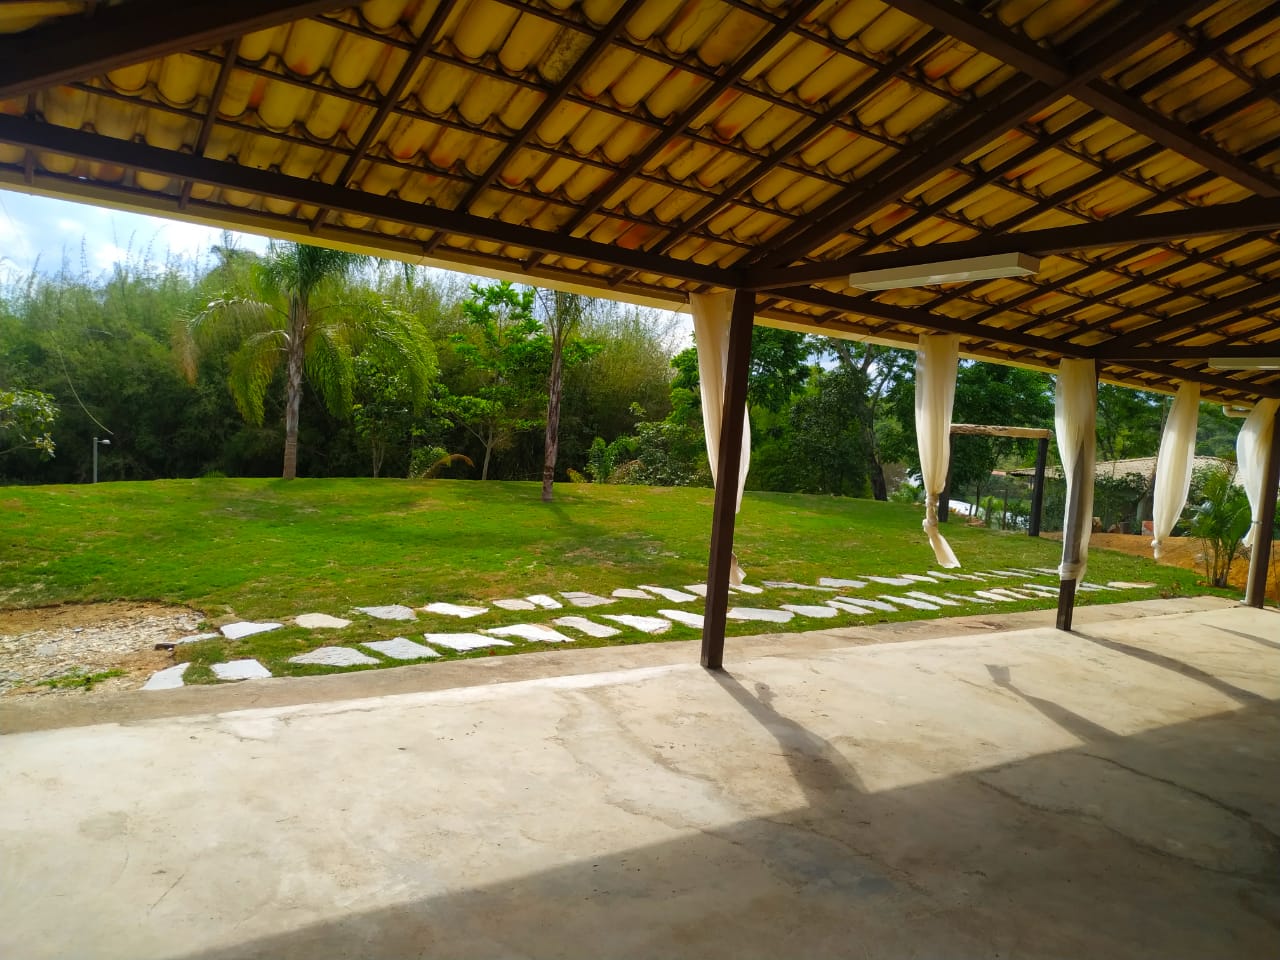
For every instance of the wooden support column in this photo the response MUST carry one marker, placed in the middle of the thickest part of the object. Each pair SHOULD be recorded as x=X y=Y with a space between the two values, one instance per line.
x=1037 y=490
x=1071 y=546
x=724 y=513
x=1260 y=557
x=1079 y=512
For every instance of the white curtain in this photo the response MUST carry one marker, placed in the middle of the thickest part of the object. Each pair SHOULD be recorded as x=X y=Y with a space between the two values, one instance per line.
x=1173 y=466
x=1075 y=417
x=1252 y=444
x=936 y=363
x=711 y=316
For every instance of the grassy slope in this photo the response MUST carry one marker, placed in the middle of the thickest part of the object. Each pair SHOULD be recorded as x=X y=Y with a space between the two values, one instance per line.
x=264 y=549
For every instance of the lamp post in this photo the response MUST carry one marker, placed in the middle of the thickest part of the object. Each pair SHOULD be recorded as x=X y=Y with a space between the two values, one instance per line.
x=96 y=443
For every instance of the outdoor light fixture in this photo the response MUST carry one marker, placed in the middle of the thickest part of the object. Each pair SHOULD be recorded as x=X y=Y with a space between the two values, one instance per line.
x=947 y=271
x=96 y=443
x=1245 y=363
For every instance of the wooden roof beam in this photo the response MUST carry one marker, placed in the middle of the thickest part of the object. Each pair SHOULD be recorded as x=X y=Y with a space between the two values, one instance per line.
x=1243 y=300
x=121 y=35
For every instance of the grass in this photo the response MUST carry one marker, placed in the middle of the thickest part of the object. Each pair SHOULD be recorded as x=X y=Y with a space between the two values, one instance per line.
x=80 y=681
x=270 y=550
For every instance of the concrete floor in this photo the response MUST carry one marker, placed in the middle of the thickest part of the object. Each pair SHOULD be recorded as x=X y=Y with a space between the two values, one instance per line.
x=994 y=793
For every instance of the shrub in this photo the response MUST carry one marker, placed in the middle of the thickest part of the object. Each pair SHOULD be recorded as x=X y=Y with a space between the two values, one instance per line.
x=1220 y=523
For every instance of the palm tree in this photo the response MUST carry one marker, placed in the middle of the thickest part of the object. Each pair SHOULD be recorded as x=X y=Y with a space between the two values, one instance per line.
x=297 y=306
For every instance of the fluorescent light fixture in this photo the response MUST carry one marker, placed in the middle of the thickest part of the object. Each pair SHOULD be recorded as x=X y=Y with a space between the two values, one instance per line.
x=947 y=271
x=1246 y=363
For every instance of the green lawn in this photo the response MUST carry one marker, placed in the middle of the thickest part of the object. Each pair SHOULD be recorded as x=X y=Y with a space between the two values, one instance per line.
x=266 y=549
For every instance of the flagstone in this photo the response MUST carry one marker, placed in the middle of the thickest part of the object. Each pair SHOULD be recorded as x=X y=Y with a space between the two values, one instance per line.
x=335 y=657
x=960 y=597
x=240 y=670
x=534 y=632
x=465 y=641
x=514 y=604
x=790 y=585
x=247 y=628
x=867 y=602
x=392 y=611
x=542 y=600
x=400 y=648
x=629 y=593
x=809 y=609
x=1128 y=585
x=1092 y=586
x=758 y=613
x=455 y=610
x=197 y=637
x=320 y=621
x=912 y=602
x=580 y=599
x=891 y=581
x=589 y=627
x=700 y=589
x=1047 y=571
x=645 y=624
x=667 y=593
x=170 y=678
x=973 y=577
x=931 y=598
x=841 y=582
x=1015 y=594
x=943 y=576
x=744 y=588
x=686 y=617
x=917 y=578
x=992 y=595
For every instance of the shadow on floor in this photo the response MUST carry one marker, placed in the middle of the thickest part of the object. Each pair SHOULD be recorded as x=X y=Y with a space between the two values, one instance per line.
x=1237 y=694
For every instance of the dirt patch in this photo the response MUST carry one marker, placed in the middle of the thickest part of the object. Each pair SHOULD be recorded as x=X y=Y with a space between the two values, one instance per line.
x=1182 y=552
x=43 y=643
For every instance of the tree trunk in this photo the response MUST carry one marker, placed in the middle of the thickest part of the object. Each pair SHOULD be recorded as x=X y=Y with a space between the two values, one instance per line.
x=555 y=387
x=293 y=392
x=377 y=452
x=488 y=449
x=879 y=489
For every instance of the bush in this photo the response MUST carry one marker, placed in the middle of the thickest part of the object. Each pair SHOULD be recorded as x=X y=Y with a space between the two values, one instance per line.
x=1220 y=523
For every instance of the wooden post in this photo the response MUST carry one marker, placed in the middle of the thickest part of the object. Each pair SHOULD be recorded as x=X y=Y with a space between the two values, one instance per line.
x=1071 y=549
x=730 y=460
x=1037 y=490
x=1260 y=557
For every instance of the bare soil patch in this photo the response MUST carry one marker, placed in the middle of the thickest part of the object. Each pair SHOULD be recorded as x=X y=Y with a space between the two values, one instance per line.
x=1182 y=552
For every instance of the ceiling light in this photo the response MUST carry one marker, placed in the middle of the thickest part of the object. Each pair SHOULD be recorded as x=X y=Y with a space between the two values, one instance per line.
x=947 y=271
x=1246 y=363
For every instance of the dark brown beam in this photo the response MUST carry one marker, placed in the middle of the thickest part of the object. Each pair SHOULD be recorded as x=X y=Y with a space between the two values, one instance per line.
x=220 y=173
x=1126 y=29
x=1246 y=217
x=1260 y=556
x=1196 y=375
x=121 y=35
x=1115 y=347
x=724 y=512
x=211 y=115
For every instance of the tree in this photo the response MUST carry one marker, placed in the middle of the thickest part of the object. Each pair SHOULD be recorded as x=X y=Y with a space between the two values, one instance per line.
x=297 y=307
x=564 y=313
x=1129 y=422
x=507 y=356
x=883 y=369
x=1220 y=523
x=828 y=441
x=779 y=366
x=26 y=418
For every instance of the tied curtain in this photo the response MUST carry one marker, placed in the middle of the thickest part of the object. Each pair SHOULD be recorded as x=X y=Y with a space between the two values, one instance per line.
x=1174 y=463
x=937 y=361
x=1075 y=417
x=1252 y=444
x=711 y=316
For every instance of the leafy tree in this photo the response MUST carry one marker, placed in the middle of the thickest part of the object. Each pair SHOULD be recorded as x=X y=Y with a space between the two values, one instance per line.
x=828 y=437
x=297 y=307
x=779 y=367
x=508 y=355
x=1129 y=422
x=884 y=370
x=26 y=417
x=385 y=406
x=1220 y=523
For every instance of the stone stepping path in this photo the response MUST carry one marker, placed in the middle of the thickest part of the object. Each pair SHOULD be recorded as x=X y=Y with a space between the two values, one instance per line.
x=758 y=613
x=891 y=581
x=838 y=582
x=913 y=603
x=789 y=585
x=917 y=578
x=400 y=648
x=1128 y=585
x=197 y=637
x=668 y=594
x=321 y=621
x=684 y=617
x=247 y=628
x=931 y=598
x=589 y=627
x=455 y=610
x=335 y=657
x=392 y=611
x=865 y=602
x=533 y=632
x=943 y=576
x=993 y=596
x=580 y=599
x=240 y=670
x=514 y=605
x=963 y=599
x=810 y=610
x=463 y=642
x=630 y=593
x=170 y=678
x=544 y=601
x=644 y=624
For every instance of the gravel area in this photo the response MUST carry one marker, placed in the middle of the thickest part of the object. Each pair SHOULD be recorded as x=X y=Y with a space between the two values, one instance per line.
x=47 y=642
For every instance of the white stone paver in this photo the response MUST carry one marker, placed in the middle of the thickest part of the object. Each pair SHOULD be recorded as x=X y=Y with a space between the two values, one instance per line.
x=247 y=628
x=334 y=657
x=1015 y=594
x=514 y=604
x=321 y=621
x=699 y=589
x=644 y=624
x=392 y=611
x=961 y=598
x=240 y=670
x=971 y=577
x=686 y=617
x=580 y=599
x=868 y=602
x=455 y=610
x=401 y=648
x=544 y=601
x=759 y=613
x=533 y=632
x=841 y=582
x=1047 y=571
x=998 y=574
x=943 y=576
x=992 y=595
x=913 y=602
x=931 y=598
x=792 y=585
x=917 y=578
x=589 y=627
x=669 y=594
x=1041 y=588
x=745 y=588
x=170 y=678
x=1128 y=585
x=810 y=609
x=890 y=581
x=197 y=637
x=465 y=641
x=857 y=609
x=1087 y=587
x=630 y=593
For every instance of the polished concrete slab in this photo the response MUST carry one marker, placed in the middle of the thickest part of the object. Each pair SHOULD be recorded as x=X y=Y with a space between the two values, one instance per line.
x=961 y=790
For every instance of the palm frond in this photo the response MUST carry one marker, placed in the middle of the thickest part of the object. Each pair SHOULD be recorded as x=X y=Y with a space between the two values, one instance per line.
x=328 y=365
x=251 y=368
